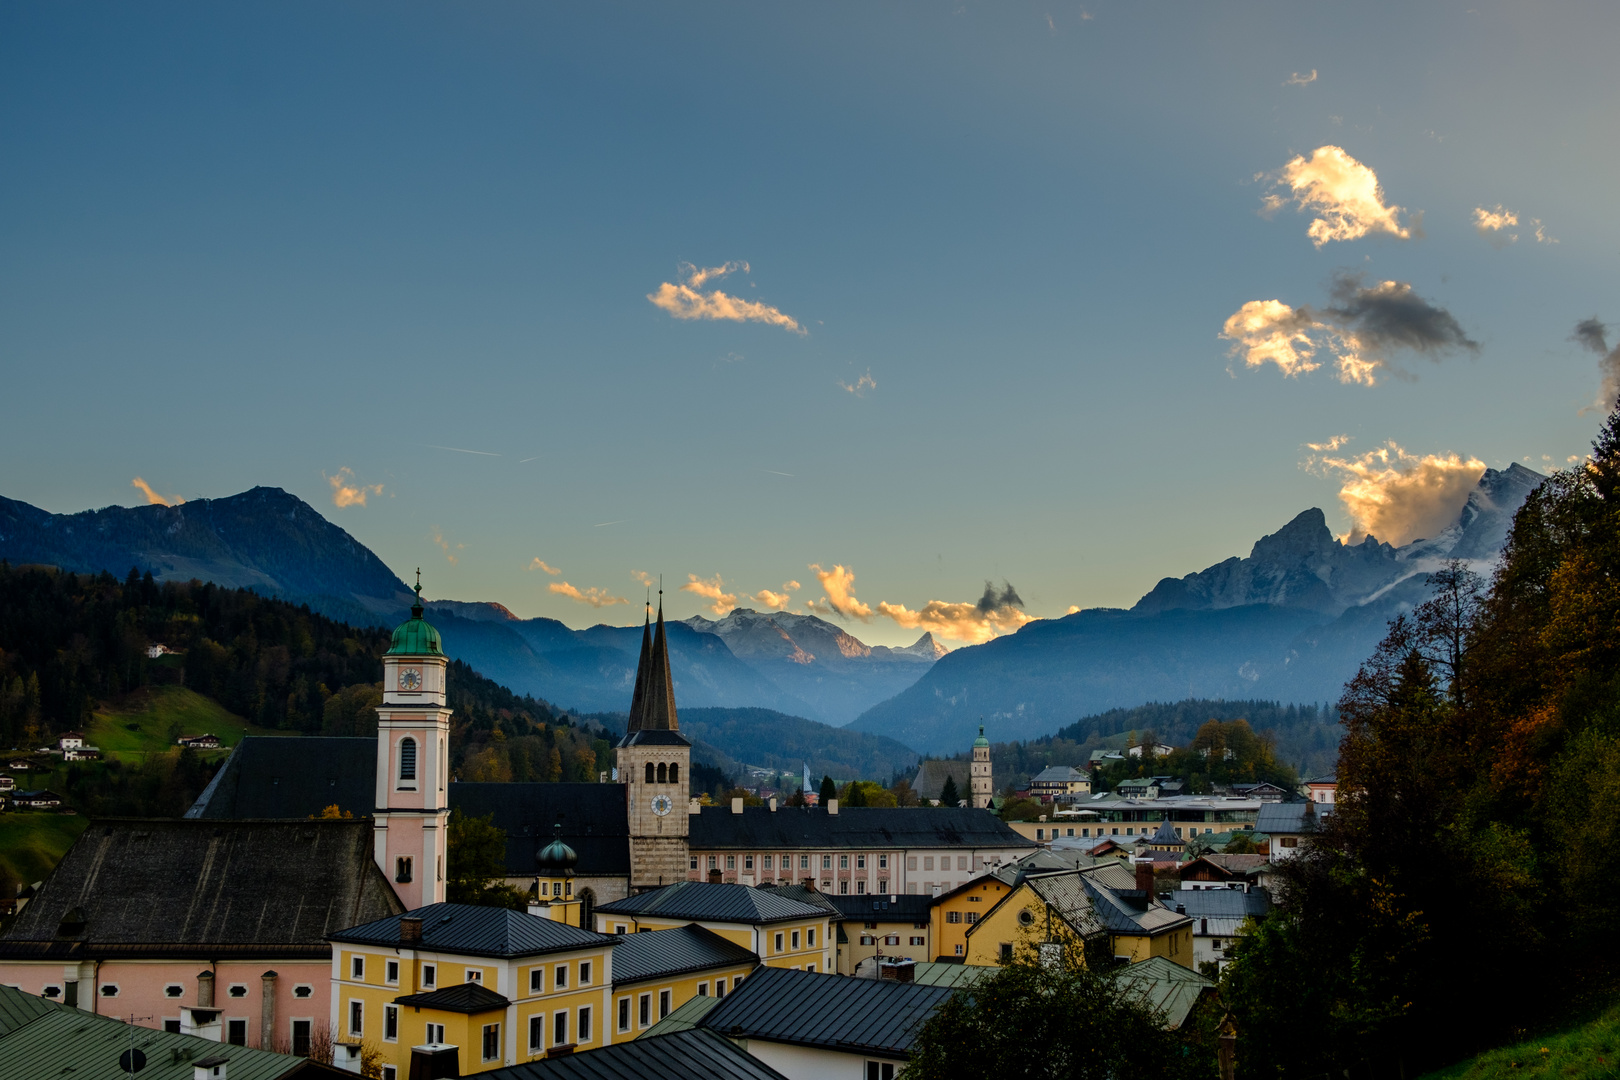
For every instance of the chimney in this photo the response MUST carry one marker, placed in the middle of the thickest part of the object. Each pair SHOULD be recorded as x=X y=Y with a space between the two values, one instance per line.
x=809 y=883
x=773 y=804
x=410 y=930
x=1144 y=877
x=714 y=876
x=205 y=990
x=832 y=806
x=209 y=1068
x=267 y=1008
x=695 y=806
x=736 y=805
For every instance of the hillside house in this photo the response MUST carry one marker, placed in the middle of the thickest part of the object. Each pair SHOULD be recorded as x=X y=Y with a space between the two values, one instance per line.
x=1150 y=749
x=1322 y=790
x=1238 y=872
x=1054 y=782
x=1265 y=791
x=1290 y=825
x=36 y=799
x=1218 y=917
x=200 y=742
x=70 y=740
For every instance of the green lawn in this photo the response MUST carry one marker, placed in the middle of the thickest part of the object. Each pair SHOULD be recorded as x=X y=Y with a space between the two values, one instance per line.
x=33 y=842
x=140 y=724
x=1586 y=1052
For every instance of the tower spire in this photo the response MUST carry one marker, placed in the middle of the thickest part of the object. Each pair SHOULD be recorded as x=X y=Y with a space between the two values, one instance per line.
x=638 y=697
x=416 y=608
x=660 y=700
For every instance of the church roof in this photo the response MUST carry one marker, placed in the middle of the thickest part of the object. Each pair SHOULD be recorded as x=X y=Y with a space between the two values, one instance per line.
x=415 y=637
x=652 y=705
x=268 y=776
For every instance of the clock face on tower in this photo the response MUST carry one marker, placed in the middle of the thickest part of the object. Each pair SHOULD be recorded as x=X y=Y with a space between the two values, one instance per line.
x=662 y=805
x=410 y=678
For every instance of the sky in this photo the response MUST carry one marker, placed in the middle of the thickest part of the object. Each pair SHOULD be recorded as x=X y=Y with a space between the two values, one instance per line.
x=836 y=308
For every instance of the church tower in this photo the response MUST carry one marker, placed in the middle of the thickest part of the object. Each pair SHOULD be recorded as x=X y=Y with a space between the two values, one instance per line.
x=654 y=761
x=980 y=783
x=411 y=819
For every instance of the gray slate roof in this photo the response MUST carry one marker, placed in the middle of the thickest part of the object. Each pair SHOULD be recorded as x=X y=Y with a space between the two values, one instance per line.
x=901 y=908
x=180 y=888
x=805 y=896
x=1236 y=904
x=1058 y=774
x=40 y=1048
x=829 y=1012
x=1290 y=818
x=701 y=901
x=463 y=998
x=662 y=954
x=468 y=930
x=691 y=1054
x=866 y=828
x=593 y=818
x=270 y=776
x=931 y=774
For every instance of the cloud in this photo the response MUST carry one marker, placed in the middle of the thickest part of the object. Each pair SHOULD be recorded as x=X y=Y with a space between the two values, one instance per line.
x=683 y=300
x=444 y=546
x=1332 y=444
x=540 y=564
x=1493 y=225
x=1342 y=191
x=861 y=385
x=1541 y=232
x=776 y=601
x=596 y=598
x=644 y=578
x=1296 y=79
x=995 y=613
x=1593 y=336
x=1400 y=497
x=839 y=585
x=345 y=492
x=152 y=497
x=711 y=589
x=1363 y=328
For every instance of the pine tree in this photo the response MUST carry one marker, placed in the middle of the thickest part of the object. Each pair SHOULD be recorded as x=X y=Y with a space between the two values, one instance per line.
x=948 y=795
x=829 y=790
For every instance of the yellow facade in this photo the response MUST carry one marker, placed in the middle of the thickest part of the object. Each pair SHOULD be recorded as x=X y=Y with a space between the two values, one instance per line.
x=1174 y=945
x=904 y=939
x=1025 y=918
x=638 y=1006
x=955 y=913
x=801 y=946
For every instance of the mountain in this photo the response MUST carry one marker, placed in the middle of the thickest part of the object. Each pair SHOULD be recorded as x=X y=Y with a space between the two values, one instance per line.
x=836 y=675
x=1291 y=622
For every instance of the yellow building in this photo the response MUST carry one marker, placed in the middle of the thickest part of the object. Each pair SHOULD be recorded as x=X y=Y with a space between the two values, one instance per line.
x=657 y=972
x=781 y=931
x=1067 y=907
x=958 y=911
x=895 y=926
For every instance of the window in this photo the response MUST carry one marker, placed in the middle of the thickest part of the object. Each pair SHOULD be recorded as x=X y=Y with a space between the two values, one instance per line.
x=843 y=886
x=860 y=862
x=1290 y=841
x=971 y=917
x=918 y=941
x=826 y=862
x=562 y=977
x=173 y=990
x=843 y=862
x=883 y=862
x=390 y=975
x=582 y=1030
x=1026 y=918
x=644 y=1009
x=928 y=862
x=868 y=939
x=357 y=1017
x=880 y=1070
x=236 y=1032
x=584 y=973
x=407 y=759
x=429 y=973
x=809 y=967
x=624 y=1014
x=693 y=864
x=663 y=773
x=537 y=1030
x=795 y=941
x=537 y=980
x=719 y=988
x=109 y=989
x=674 y=772
x=1040 y=834
x=171 y=1026
x=804 y=862
x=959 y=950
x=767 y=862
x=860 y=886
x=435 y=1033
x=883 y=885
x=649 y=772
x=402 y=869
x=303 y=990
x=618 y=928
x=492 y=1041
x=391 y=1023
x=238 y=990
x=1006 y=952
x=911 y=862
x=390 y=1073
x=919 y=926
x=812 y=940
x=892 y=939
x=953 y=916
x=475 y=975
x=357 y=968
x=731 y=862
x=961 y=862
x=826 y=886
x=712 y=862
x=778 y=943
x=748 y=862
x=559 y=1029
x=300 y=1037
x=663 y=1004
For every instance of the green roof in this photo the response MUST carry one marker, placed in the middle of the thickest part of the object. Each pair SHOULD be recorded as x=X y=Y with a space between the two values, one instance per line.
x=1166 y=987
x=37 y=1047
x=981 y=740
x=685 y=1018
x=415 y=637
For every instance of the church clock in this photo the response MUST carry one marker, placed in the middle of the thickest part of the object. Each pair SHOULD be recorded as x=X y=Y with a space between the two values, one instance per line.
x=661 y=805
x=410 y=678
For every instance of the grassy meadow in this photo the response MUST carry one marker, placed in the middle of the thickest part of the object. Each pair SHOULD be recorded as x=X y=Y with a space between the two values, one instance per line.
x=1587 y=1051
x=144 y=722
x=32 y=843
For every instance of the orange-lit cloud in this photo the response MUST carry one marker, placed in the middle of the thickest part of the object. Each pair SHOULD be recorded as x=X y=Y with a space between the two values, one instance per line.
x=685 y=300
x=152 y=497
x=995 y=613
x=537 y=563
x=1541 y=232
x=839 y=585
x=861 y=385
x=1332 y=444
x=1493 y=225
x=1341 y=191
x=596 y=598
x=1296 y=79
x=776 y=601
x=1400 y=497
x=345 y=492
x=712 y=589
x=445 y=546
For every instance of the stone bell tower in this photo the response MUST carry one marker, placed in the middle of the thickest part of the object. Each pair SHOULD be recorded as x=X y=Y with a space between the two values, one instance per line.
x=980 y=782
x=412 y=815
x=654 y=761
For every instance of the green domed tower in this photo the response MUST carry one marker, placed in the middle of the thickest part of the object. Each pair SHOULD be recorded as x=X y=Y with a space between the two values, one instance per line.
x=981 y=785
x=554 y=884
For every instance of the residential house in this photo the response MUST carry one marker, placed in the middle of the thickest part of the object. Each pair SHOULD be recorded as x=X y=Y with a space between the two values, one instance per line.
x=811 y=1026
x=82 y=753
x=686 y=1054
x=893 y=926
x=1056 y=781
x=1153 y=749
x=39 y=1038
x=211 y=927
x=955 y=913
x=200 y=742
x=1322 y=789
x=36 y=799
x=1218 y=917
x=70 y=740
x=1289 y=825
x=1189 y=815
x=781 y=931
x=1175 y=992
x=1239 y=872
x=8 y=783
x=1265 y=791
x=657 y=972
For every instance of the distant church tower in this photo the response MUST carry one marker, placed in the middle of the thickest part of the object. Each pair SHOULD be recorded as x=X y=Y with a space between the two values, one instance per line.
x=981 y=784
x=654 y=761
x=413 y=765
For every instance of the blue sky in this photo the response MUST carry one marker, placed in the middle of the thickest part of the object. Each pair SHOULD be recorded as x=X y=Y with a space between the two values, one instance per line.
x=263 y=243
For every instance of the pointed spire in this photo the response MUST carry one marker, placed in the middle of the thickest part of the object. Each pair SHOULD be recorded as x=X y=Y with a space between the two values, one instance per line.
x=416 y=608
x=660 y=699
x=638 y=698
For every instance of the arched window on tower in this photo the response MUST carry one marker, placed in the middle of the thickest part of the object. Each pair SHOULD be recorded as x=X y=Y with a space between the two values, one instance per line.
x=407 y=758
x=587 y=909
x=675 y=772
x=649 y=772
x=663 y=775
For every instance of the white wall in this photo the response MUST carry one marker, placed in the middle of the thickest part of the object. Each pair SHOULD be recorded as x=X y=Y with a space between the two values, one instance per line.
x=803 y=1063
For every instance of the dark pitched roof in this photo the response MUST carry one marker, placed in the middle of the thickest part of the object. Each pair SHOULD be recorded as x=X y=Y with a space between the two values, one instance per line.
x=868 y=827
x=1166 y=987
x=18 y=1009
x=593 y=818
x=830 y=1012
x=655 y=690
x=465 y=998
x=292 y=777
x=1228 y=866
x=703 y=901
x=478 y=931
x=1298 y=818
x=931 y=774
x=1058 y=774
x=1222 y=903
x=805 y=896
x=665 y=953
x=694 y=1054
x=901 y=908
x=179 y=887
x=638 y=696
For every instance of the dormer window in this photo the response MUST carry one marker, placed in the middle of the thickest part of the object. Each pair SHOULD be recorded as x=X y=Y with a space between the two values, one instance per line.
x=407 y=761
